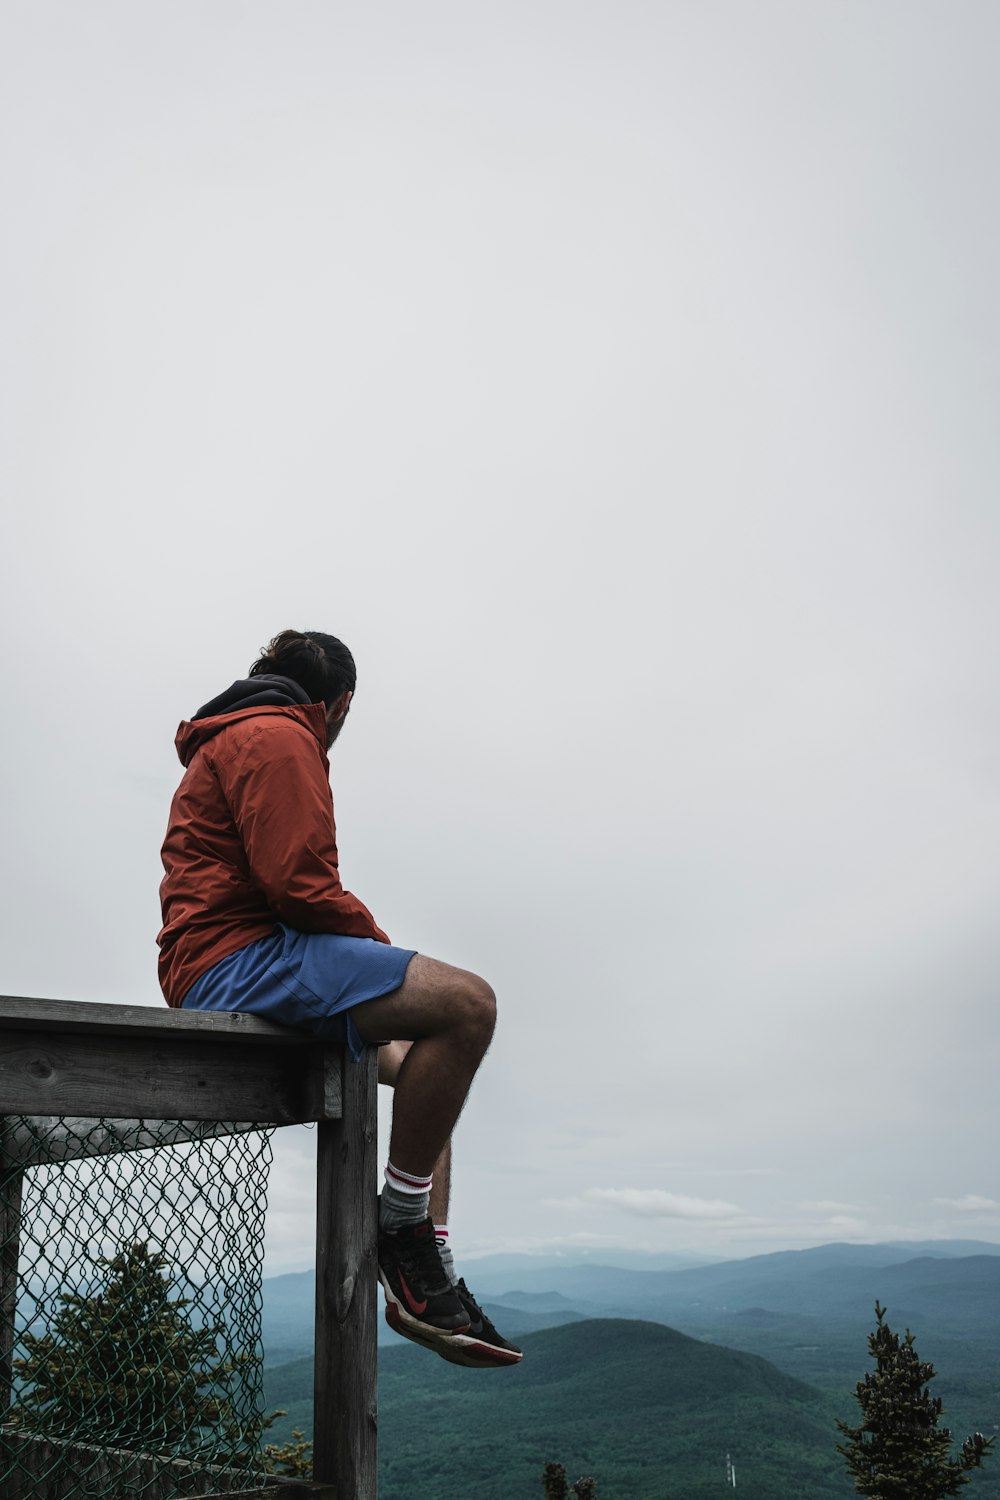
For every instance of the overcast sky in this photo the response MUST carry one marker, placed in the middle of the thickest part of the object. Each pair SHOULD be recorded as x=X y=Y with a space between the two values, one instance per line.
x=620 y=381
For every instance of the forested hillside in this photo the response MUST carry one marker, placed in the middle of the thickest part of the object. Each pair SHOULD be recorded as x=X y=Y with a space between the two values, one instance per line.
x=648 y=1411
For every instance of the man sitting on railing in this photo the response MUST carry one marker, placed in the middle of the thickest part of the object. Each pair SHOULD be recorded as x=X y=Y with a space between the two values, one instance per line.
x=255 y=919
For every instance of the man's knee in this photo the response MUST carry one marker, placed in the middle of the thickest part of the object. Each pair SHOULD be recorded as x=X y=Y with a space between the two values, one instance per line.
x=480 y=1007
x=435 y=999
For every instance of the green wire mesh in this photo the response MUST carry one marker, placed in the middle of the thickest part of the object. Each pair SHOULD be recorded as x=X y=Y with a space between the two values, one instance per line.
x=131 y=1256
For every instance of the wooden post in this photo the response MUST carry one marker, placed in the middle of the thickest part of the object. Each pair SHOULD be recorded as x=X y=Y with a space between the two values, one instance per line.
x=344 y=1393
x=11 y=1184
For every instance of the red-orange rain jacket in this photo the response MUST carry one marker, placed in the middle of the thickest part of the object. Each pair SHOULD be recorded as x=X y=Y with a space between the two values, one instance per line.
x=251 y=839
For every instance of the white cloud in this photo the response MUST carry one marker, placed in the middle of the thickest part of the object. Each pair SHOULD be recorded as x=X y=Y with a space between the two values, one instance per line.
x=654 y=1203
x=846 y=1224
x=829 y=1206
x=972 y=1203
x=582 y=1240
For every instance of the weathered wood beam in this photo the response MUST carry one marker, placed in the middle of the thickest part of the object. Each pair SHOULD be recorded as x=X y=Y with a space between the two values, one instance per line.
x=42 y=1466
x=300 y=1489
x=269 y=1494
x=150 y=1076
x=345 y=1408
x=11 y=1185
x=40 y=1459
x=153 y=1021
x=280 y=1489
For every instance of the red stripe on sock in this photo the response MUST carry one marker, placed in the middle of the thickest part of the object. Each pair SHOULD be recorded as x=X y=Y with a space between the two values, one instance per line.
x=405 y=1182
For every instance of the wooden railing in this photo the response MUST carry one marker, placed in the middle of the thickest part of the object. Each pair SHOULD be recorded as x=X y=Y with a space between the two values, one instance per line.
x=121 y=1063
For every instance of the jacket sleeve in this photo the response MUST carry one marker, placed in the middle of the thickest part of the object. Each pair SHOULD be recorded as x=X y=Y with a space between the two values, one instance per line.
x=280 y=799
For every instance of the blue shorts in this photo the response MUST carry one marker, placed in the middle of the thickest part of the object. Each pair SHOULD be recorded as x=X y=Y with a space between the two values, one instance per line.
x=308 y=980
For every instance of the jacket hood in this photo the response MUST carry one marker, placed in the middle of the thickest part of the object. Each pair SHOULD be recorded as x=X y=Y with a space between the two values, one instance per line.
x=255 y=692
x=265 y=694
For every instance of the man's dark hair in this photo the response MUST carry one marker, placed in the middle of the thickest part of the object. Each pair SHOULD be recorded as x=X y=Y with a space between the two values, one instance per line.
x=317 y=662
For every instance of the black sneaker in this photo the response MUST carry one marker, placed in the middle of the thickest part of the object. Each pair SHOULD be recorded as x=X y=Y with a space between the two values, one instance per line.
x=480 y=1344
x=479 y=1347
x=421 y=1301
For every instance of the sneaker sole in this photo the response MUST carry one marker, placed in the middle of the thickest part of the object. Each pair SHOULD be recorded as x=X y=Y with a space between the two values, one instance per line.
x=458 y=1348
x=410 y=1326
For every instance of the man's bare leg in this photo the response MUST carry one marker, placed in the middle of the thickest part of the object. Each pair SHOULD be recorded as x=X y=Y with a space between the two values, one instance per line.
x=441 y=1189
x=390 y=1059
x=448 y=1015
x=481 y=1345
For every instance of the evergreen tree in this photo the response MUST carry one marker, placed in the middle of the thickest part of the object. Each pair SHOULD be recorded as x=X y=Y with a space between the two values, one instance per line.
x=292 y=1459
x=899 y=1452
x=556 y=1488
x=554 y=1481
x=124 y=1365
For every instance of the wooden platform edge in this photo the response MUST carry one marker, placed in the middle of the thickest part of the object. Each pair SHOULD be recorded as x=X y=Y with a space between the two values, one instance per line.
x=25 y=1013
x=280 y=1489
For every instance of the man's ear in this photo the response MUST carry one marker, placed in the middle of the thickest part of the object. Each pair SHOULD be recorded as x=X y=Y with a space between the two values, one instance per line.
x=338 y=708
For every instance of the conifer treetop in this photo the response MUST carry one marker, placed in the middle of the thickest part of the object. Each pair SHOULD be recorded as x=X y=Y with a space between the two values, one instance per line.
x=899 y=1451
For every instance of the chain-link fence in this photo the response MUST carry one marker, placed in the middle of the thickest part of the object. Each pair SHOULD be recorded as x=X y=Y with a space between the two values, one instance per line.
x=130 y=1300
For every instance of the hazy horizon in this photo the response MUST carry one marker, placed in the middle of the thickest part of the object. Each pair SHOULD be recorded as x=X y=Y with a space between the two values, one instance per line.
x=632 y=1259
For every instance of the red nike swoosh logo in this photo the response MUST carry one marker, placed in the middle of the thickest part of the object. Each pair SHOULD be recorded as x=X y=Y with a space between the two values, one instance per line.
x=415 y=1306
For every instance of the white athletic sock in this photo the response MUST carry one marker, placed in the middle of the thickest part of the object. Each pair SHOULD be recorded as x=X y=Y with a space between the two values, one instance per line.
x=405 y=1199
x=444 y=1248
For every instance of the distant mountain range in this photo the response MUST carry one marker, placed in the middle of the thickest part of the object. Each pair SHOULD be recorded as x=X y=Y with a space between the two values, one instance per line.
x=837 y=1283
x=759 y=1357
x=944 y=1287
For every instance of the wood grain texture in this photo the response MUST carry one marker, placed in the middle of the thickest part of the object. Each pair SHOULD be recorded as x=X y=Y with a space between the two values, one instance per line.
x=154 y=1021
x=183 y=1078
x=279 y=1489
x=345 y=1416
x=11 y=1183
x=270 y=1493
x=39 y=1468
